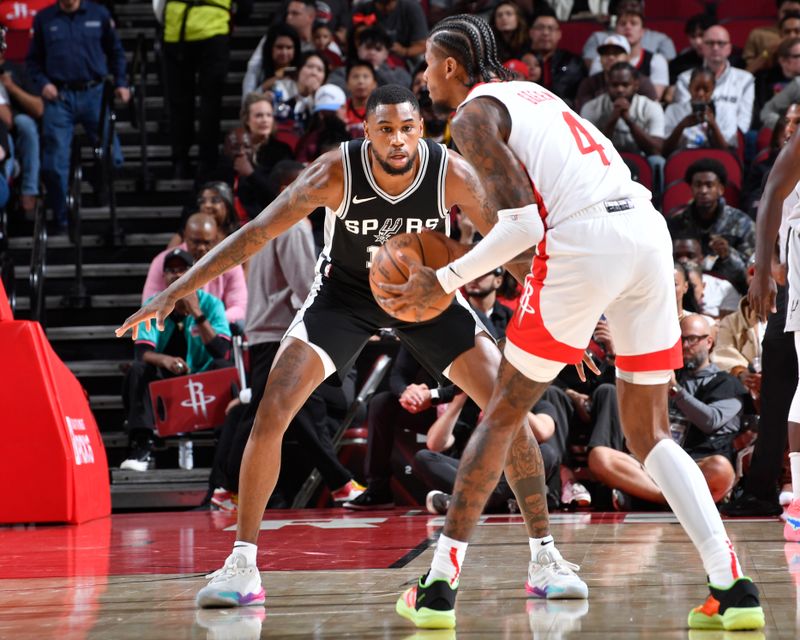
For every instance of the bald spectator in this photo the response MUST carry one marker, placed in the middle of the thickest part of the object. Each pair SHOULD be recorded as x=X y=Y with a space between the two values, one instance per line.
x=762 y=41
x=734 y=89
x=562 y=71
x=614 y=49
x=200 y=235
x=653 y=41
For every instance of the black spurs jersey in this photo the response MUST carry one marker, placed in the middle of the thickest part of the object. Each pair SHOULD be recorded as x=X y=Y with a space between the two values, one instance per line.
x=368 y=216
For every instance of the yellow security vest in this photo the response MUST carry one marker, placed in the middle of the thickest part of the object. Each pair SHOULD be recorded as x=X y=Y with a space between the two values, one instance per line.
x=205 y=19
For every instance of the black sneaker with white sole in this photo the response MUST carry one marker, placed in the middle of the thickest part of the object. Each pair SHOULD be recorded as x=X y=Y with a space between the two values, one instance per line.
x=370 y=499
x=140 y=456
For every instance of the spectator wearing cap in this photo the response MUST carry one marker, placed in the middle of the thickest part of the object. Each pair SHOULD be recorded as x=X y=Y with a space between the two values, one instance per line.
x=74 y=47
x=762 y=41
x=510 y=30
x=653 y=65
x=531 y=61
x=615 y=48
x=195 y=338
x=692 y=56
x=372 y=45
x=653 y=41
x=770 y=81
x=633 y=123
x=520 y=70
x=200 y=235
x=361 y=81
x=722 y=230
x=693 y=125
x=562 y=71
x=252 y=151
x=327 y=127
x=733 y=90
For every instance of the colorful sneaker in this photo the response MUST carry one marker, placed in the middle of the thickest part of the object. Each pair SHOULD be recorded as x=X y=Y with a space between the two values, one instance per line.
x=348 y=492
x=370 y=499
x=437 y=502
x=733 y=609
x=791 y=530
x=552 y=577
x=224 y=500
x=431 y=606
x=786 y=496
x=235 y=585
x=575 y=494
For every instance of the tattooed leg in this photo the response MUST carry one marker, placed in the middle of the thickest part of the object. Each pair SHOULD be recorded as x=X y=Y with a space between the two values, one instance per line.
x=296 y=372
x=525 y=475
x=487 y=451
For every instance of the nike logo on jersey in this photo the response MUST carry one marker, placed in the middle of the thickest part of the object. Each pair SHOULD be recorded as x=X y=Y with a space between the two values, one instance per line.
x=357 y=200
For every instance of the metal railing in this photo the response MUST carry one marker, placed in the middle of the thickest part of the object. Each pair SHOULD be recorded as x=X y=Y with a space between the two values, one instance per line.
x=38 y=273
x=7 y=263
x=104 y=160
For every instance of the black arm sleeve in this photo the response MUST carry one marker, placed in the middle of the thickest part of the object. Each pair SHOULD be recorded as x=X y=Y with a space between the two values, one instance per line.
x=404 y=372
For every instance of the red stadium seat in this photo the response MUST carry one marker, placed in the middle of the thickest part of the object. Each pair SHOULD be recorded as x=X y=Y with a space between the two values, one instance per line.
x=727 y=9
x=575 y=34
x=740 y=28
x=764 y=138
x=644 y=170
x=676 y=197
x=679 y=161
x=681 y=9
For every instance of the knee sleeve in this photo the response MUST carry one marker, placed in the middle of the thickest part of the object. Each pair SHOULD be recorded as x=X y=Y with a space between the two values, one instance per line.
x=644 y=377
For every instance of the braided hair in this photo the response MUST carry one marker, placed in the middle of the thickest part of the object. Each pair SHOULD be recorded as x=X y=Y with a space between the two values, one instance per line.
x=469 y=39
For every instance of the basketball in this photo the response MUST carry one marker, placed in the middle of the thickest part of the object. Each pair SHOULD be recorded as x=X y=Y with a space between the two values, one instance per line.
x=430 y=248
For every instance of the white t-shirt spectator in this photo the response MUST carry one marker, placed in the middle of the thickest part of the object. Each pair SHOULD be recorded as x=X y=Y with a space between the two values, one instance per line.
x=719 y=296
x=694 y=137
x=654 y=41
x=733 y=100
x=645 y=112
x=659 y=68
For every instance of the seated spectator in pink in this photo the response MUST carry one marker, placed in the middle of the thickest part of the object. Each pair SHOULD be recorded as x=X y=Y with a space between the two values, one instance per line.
x=200 y=235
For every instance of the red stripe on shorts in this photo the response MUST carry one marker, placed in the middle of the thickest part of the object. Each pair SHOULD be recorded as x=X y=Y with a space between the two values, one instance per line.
x=671 y=358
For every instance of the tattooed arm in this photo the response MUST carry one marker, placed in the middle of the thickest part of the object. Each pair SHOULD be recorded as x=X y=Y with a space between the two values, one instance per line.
x=319 y=185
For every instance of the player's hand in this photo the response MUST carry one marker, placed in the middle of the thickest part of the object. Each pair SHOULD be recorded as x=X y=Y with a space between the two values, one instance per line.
x=418 y=292
x=588 y=362
x=761 y=294
x=157 y=309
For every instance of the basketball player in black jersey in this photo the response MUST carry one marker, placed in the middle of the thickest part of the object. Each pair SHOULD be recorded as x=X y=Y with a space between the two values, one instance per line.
x=392 y=181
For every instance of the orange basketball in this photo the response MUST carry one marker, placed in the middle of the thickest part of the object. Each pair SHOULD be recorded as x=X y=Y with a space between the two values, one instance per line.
x=430 y=248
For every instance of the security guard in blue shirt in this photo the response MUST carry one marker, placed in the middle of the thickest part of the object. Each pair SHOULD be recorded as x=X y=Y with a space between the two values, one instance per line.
x=74 y=47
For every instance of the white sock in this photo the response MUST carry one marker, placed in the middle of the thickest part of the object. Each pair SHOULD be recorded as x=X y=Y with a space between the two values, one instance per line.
x=247 y=549
x=447 y=559
x=687 y=493
x=794 y=465
x=536 y=545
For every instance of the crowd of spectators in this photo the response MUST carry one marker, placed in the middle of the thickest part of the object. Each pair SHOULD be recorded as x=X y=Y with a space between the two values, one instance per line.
x=304 y=92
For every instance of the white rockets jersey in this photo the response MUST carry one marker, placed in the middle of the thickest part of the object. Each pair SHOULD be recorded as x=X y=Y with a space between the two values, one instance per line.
x=570 y=163
x=790 y=216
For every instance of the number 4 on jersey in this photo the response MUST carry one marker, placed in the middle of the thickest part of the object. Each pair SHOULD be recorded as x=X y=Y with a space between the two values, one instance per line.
x=586 y=144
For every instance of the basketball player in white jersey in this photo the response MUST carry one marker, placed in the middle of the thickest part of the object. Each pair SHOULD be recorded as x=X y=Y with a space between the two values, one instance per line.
x=779 y=219
x=559 y=187
x=391 y=182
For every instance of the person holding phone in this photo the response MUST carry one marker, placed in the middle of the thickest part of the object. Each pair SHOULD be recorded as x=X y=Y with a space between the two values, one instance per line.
x=692 y=125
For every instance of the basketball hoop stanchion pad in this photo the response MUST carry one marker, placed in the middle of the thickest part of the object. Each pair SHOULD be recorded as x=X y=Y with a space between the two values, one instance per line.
x=194 y=402
x=54 y=462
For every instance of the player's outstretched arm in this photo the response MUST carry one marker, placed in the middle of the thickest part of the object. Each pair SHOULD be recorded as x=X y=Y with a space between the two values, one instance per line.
x=783 y=177
x=319 y=185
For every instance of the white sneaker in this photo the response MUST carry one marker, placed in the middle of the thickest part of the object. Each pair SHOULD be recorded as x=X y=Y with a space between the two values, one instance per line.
x=785 y=498
x=235 y=585
x=574 y=493
x=552 y=577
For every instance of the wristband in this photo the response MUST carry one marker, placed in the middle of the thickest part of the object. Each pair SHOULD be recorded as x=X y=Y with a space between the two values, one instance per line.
x=200 y=319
